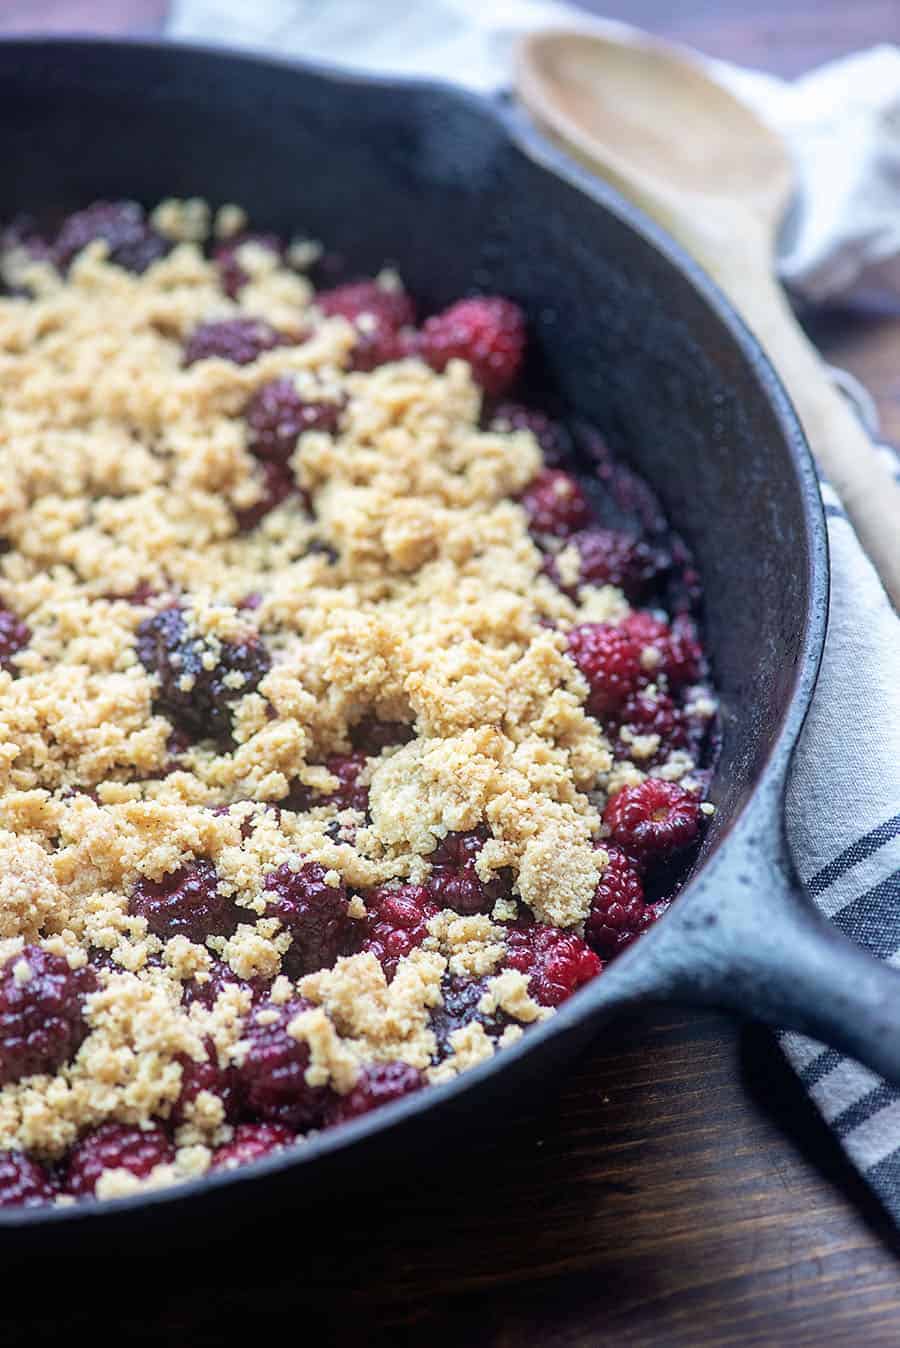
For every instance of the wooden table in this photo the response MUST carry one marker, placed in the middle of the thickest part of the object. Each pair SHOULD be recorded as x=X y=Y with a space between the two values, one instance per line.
x=680 y=1189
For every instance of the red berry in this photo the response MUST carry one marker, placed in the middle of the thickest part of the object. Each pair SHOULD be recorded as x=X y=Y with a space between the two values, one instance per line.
x=376 y=1086
x=610 y=661
x=132 y=243
x=277 y=416
x=278 y=483
x=558 y=962
x=231 y=273
x=487 y=331
x=240 y=340
x=315 y=914
x=14 y=636
x=392 y=304
x=185 y=903
x=609 y=557
x=455 y=883
x=380 y=316
x=250 y=1142
x=349 y=795
x=550 y=435
x=23 y=1183
x=654 y=820
x=396 y=922
x=646 y=713
x=272 y=1075
x=680 y=656
x=618 y=912
x=42 y=1023
x=115 y=1146
x=555 y=504
x=204 y=1076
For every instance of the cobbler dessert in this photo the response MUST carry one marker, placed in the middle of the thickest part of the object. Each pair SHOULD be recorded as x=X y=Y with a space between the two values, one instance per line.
x=343 y=734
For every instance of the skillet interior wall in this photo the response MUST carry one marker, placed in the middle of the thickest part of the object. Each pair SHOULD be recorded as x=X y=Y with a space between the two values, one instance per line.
x=428 y=180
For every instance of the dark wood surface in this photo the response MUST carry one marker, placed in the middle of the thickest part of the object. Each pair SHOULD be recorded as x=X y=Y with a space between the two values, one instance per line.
x=678 y=1189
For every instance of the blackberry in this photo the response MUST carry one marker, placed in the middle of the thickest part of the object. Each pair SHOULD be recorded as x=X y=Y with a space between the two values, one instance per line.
x=315 y=914
x=42 y=1021
x=166 y=648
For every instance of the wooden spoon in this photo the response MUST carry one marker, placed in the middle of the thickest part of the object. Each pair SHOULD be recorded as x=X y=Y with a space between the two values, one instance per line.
x=650 y=121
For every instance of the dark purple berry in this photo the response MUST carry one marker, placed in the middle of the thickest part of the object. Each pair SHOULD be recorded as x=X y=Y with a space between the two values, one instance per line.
x=272 y=1074
x=166 y=648
x=315 y=914
x=240 y=340
x=231 y=273
x=14 y=636
x=185 y=903
x=133 y=243
x=277 y=416
x=459 y=1007
x=42 y=1022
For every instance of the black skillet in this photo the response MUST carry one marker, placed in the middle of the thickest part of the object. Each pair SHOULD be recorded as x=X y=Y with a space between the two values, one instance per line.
x=631 y=337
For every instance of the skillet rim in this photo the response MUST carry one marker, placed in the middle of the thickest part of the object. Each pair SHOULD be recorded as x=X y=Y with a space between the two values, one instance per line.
x=616 y=985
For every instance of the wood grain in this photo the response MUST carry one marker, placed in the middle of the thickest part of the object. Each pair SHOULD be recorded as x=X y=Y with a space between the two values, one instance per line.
x=679 y=1188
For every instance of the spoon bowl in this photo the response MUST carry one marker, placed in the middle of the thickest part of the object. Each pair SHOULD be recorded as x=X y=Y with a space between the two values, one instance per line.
x=689 y=137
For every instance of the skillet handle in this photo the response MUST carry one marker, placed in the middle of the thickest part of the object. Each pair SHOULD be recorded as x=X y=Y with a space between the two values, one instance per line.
x=752 y=942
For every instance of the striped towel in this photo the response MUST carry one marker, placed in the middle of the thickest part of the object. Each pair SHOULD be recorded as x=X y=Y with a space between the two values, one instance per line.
x=843 y=821
x=843 y=808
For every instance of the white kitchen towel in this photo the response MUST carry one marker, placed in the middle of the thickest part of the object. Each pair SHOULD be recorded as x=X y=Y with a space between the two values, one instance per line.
x=843 y=807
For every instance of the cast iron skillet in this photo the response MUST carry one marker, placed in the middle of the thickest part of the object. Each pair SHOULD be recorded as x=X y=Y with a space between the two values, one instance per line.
x=632 y=337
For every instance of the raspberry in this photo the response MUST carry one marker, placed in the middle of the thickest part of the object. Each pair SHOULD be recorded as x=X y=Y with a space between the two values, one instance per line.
x=185 y=903
x=166 y=648
x=42 y=1023
x=220 y=976
x=272 y=1075
x=391 y=305
x=488 y=332
x=380 y=316
x=14 y=636
x=370 y=736
x=240 y=340
x=610 y=557
x=23 y=1183
x=250 y=1142
x=204 y=1076
x=376 y=1086
x=550 y=435
x=115 y=1146
x=610 y=661
x=558 y=962
x=618 y=913
x=315 y=914
x=278 y=483
x=132 y=243
x=396 y=922
x=644 y=713
x=277 y=416
x=348 y=795
x=653 y=820
x=459 y=1007
x=680 y=656
x=455 y=883
x=231 y=273
x=555 y=504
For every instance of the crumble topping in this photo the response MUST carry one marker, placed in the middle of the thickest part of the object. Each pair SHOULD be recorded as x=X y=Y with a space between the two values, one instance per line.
x=268 y=694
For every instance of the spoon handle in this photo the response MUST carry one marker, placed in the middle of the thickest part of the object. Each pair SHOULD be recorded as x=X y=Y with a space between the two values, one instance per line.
x=868 y=491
